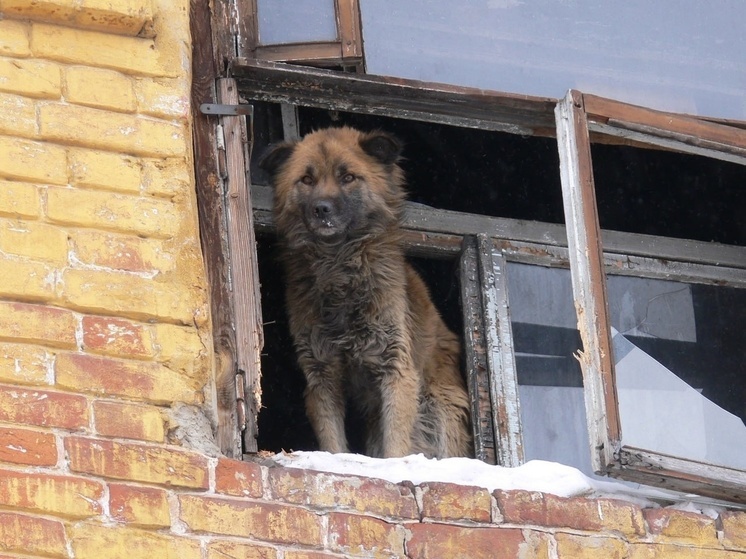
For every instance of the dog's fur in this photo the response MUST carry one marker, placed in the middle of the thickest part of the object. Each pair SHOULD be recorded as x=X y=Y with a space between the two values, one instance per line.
x=364 y=326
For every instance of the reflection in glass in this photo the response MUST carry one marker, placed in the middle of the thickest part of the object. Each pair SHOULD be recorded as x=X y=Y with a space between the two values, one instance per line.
x=296 y=21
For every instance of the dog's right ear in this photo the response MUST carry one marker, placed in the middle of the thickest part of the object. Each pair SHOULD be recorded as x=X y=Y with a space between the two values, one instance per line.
x=275 y=156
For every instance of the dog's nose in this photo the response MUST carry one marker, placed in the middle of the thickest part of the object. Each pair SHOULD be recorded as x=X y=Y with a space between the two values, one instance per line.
x=323 y=208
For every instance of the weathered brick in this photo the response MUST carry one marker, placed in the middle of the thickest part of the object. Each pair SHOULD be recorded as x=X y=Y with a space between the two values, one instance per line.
x=181 y=349
x=681 y=525
x=32 y=161
x=103 y=50
x=100 y=169
x=17 y=115
x=734 y=529
x=25 y=364
x=114 y=377
x=667 y=551
x=87 y=208
x=168 y=98
x=446 y=501
x=31 y=535
x=117 y=336
x=143 y=506
x=342 y=492
x=96 y=128
x=165 y=177
x=14 y=38
x=145 y=463
x=98 y=88
x=34 y=240
x=235 y=477
x=455 y=542
x=67 y=496
x=122 y=252
x=27 y=446
x=31 y=78
x=43 y=408
x=93 y=541
x=18 y=199
x=544 y=509
x=128 y=421
x=365 y=536
x=570 y=546
x=295 y=554
x=235 y=550
x=28 y=281
x=38 y=323
x=99 y=292
x=260 y=520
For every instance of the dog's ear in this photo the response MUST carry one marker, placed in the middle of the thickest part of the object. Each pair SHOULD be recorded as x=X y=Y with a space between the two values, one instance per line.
x=382 y=146
x=275 y=156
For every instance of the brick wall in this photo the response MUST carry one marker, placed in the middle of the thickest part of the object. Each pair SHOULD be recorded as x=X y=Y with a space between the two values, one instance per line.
x=105 y=347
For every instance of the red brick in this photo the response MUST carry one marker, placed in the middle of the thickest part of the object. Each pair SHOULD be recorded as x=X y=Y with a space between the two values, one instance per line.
x=543 y=509
x=334 y=491
x=365 y=536
x=234 y=477
x=43 y=408
x=236 y=550
x=259 y=520
x=116 y=336
x=31 y=535
x=24 y=446
x=681 y=525
x=734 y=529
x=308 y=555
x=60 y=495
x=137 y=462
x=145 y=506
x=429 y=541
x=128 y=421
x=571 y=546
x=38 y=323
x=446 y=501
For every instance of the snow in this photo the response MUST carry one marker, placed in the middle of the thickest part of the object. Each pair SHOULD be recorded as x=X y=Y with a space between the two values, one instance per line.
x=535 y=475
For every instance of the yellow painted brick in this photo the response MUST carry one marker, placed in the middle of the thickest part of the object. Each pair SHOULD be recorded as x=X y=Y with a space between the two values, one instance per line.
x=95 y=87
x=180 y=348
x=129 y=421
x=14 y=38
x=570 y=546
x=161 y=97
x=33 y=78
x=17 y=115
x=32 y=161
x=26 y=281
x=166 y=177
x=144 y=506
x=19 y=199
x=124 y=133
x=129 y=296
x=24 y=364
x=69 y=496
x=144 y=216
x=127 y=17
x=37 y=324
x=33 y=239
x=672 y=551
x=90 y=540
x=100 y=169
x=122 y=252
x=131 y=55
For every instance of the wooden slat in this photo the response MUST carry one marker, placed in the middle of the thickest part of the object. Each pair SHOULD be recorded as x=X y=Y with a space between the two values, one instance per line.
x=243 y=265
x=248 y=28
x=506 y=414
x=588 y=280
x=477 y=376
x=349 y=32
x=462 y=106
x=330 y=51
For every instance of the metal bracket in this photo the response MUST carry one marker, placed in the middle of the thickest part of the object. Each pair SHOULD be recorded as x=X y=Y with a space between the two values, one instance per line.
x=226 y=110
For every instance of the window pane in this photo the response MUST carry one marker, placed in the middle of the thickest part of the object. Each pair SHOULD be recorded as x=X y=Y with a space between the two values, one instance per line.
x=296 y=21
x=680 y=368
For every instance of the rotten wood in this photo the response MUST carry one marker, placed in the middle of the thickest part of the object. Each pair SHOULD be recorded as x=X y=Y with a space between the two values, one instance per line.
x=329 y=52
x=349 y=29
x=475 y=354
x=244 y=272
x=247 y=27
x=588 y=280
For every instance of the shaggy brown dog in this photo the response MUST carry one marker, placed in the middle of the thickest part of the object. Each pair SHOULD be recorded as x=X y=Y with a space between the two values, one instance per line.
x=362 y=320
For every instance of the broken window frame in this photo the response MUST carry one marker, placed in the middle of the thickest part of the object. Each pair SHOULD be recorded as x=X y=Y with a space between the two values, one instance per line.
x=578 y=116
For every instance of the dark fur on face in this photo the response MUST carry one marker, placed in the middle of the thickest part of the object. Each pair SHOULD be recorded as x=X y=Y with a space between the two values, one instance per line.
x=362 y=320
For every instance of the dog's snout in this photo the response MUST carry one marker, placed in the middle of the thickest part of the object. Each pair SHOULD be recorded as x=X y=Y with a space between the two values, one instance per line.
x=323 y=208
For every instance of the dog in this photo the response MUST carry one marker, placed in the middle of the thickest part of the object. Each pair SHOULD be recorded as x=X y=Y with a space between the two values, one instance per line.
x=363 y=323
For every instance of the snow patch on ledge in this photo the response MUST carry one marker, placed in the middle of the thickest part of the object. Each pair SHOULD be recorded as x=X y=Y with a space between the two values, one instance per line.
x=535 y=475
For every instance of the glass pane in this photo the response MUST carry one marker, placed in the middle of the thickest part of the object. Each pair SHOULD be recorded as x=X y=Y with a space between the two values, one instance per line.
x=680 y=368
x=296 y=21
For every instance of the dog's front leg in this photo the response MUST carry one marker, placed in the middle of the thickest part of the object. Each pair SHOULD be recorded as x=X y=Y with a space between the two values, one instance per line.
x=325 y=407
x=400 y=391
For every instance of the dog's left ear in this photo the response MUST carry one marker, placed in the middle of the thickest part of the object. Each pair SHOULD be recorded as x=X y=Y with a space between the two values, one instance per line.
x=384 y=147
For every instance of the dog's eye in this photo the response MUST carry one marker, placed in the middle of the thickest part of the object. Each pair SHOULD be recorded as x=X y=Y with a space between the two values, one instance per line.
x=307 y=180
x=348 y=178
